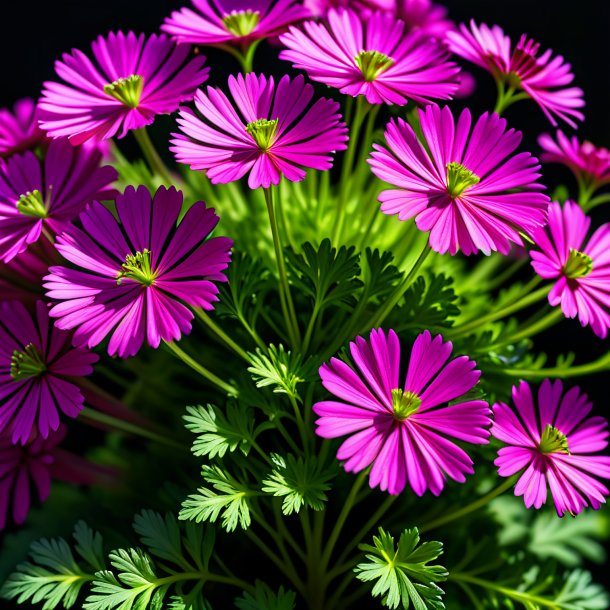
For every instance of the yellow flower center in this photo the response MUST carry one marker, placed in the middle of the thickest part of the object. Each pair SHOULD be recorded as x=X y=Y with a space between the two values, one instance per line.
x=263 y=131
x=404 y=403
x=372 y=64
x=26 y=364
x=241 y=23
x=553 y=441
x=137 y=267
x=126 y=90
x=459 y=179
x=578 y=264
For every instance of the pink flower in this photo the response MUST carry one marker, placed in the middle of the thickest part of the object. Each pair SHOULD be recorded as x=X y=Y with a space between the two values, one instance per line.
x=464 y=187
x=267 y=132
x=19 y=129
x=553 y=445
x=218 y=22
x=422 y=15
x=588 y=163
x=137 y=273
x=375 y=57
x=582 y=269
x=38 y=367
x=20 y=468
x=44 y=196
x=402 y=431
x=21 y=278
x=543 y=78
x=131 y=81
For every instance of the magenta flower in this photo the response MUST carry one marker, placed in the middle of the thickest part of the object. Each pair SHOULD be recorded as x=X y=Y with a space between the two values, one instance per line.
x=375 y=57
x=133 y=79
x=267 y=131
x=590 y=164
x=543 y=78
x=402 y=431
x=19 y=129
x=21 y=278
x=136 y=274
x=221 y=22
x=37 y=369
x=22 y=466
x=553 y=445
x=422 y=15
x=468 y=190
x=582 y=269
x=37 y=196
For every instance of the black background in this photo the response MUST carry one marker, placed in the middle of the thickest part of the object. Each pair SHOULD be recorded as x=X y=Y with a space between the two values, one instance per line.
x=34 y=35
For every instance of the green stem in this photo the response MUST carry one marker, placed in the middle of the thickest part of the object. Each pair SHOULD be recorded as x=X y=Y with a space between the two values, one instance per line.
x=288 y=310
x=519 y=596
x=370 y=524
x=300 y=423
x=469 y=508
x=507 y=97
x=554 y=316
x=399 y=291
x=152 y=156
x=597 y=366
x=192 y=363
x=529 y=299
x=97 y=417
x=221 y=334
x=501 y=278
x=362 y=108
x=592 y=203
x=347 y=507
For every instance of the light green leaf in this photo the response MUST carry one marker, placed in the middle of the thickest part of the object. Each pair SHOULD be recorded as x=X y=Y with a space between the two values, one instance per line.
x=265 y=599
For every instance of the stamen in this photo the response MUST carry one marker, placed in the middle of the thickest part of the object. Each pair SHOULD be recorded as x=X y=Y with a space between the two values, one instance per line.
x=404 y=403
x=263 y=132
x=126 y=90
x=241 y=23
x=372 y=64
x=553 y=441
x=578 y=264
x=26 y=364
x=32 y=204
x=137 y=267
x=459 y=179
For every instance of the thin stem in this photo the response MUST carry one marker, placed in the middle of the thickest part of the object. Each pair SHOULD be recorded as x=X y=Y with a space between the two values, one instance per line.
x=108 y=421
x=529 y=299
x=521 y=596
x=152 y=157
x=291 y=575
x=469 y=508
x=221 y=334
x=501 y=278
x=592 y=203
x=597 y=366
x=554 y=316
x=347 y=507
x=377 y=515
x=285 y=297
x=192 y=363
x=362 y=107
x=399 y=291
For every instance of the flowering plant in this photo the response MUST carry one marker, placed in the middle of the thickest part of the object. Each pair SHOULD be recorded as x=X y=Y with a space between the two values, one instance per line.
x=297 y=344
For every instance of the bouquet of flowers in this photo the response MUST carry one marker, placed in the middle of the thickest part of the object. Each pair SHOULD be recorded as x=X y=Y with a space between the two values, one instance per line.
x=295 y=364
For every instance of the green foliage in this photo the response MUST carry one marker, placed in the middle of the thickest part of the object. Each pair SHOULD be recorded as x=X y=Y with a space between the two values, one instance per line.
x=570 y=541
x=327 y=275
x=134 y=588
x=301 y=482
x=232 y=501
x=429 y=302
x=402 y=573
x=265 y=599
x=278 y=368
x=249 y=280
x=379 y=275
x=53 y=575
x=218 y=432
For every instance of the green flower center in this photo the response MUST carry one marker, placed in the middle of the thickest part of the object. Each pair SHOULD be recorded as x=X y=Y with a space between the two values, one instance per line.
x=26 y=364
x=577 y=265
x=137 y=267
x=241 y=23
x=263 y=132
x=553 y=441
x=32 y=204
x=404 y=403
x=459 y=179
x=372 y=64
x=126 y=90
